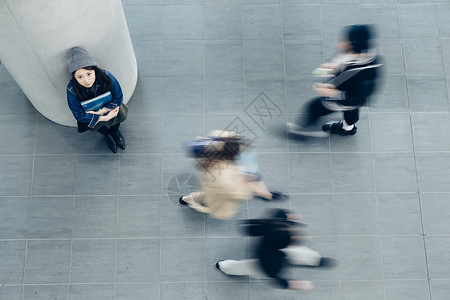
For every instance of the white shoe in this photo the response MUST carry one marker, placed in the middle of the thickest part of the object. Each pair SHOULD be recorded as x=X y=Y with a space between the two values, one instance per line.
x=299 y=130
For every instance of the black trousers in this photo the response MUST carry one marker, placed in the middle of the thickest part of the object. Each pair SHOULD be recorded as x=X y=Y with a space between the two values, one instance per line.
x=315 y=109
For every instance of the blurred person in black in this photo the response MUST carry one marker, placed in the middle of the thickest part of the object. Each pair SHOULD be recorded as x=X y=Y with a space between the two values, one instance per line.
x=281 y=244
x=353 y=72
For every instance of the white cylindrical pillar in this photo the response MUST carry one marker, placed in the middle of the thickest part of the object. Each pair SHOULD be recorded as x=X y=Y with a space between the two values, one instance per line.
x=36 y=38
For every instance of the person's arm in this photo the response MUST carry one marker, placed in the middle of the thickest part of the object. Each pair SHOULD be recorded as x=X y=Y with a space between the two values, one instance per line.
x=116 y=92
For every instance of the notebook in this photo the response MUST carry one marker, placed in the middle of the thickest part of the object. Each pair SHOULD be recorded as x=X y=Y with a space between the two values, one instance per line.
x=96 y=103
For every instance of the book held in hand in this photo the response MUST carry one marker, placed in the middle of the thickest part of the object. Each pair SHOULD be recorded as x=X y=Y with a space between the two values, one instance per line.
x=96 y=103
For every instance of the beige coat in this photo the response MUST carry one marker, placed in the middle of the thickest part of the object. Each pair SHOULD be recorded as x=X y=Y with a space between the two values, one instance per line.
x=224 y=186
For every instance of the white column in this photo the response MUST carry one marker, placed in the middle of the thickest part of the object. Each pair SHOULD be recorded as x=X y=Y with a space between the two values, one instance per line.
x=36 y=38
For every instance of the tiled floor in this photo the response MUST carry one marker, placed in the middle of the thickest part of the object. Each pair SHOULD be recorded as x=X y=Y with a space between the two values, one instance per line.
x=77 y=222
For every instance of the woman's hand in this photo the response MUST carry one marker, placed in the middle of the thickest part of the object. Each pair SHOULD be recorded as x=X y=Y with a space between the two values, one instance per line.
x=99 y=112
x=325 y=89
x=111 y=114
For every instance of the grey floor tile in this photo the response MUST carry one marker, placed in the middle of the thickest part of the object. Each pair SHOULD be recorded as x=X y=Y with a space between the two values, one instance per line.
x=417 y=51
x=224 y=94
x=138 y=216
x=54 y=175
x=399 y=214
x=392 y=56
x=302 y=56
x=361 y=142
x=14 y=101
x=384 y=16
x=223 y=57
x=230 y=122
x=47 y=261
x=317 y=211
x=336 y=16
x=356 y=214
x=101 y=180
x=142 y=134
x=92 y=261
x=446 y=51
x=434 y=208
x=227 y=290
x=44 y=292
x=301 y=22
x=137 y=291
x=53 y=138
x=11 y=292
x=274 y=170
x=310 y=173
x=438 y=258
x=427 y=93
x=391 y=132
x=263 y=57
x=222 y=22
x=352 y=172
x=50 y=217
x=138 y=260
x=391 y=96
x=222 y=249
x=192 y=290
x=14 y=216
x=272 y=139
x=256 y=2
x=323 y=289
x=183 y=57
x=272 y=87
x=430 y=136
x=299 y=92
x=262 y=21
x=183 y=22
x=91 y=292
x=260 y=209
x=150 y=57
x=17 y=181
x=145 y=22
x=95 y=217
x=403 y=257
x=183 y=95
x=431 y=171
x=148 y=97
x=265 y=291
x=407 y=289
x=370 y=290
x=13 y=261
x=418 y=21
x=439 y=289
x=359 y=258
x=175 y=136
x=19 y=135
x=305 y=144
x=140 y=175
x=182 y=256
x=395 y=172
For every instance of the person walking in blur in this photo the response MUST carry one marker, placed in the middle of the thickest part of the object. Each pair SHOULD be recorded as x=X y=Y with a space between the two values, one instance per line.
x=225 y=179
x=354 y=71
x=280 y=245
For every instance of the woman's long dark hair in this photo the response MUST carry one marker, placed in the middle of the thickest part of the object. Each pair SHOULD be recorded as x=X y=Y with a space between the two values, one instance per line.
x=100 y=77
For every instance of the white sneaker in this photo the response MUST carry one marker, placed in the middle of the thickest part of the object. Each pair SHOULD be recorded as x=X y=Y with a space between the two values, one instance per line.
x=299 y=130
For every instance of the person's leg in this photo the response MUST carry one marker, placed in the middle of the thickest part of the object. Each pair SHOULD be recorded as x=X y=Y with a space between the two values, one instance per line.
x=110 y=143
x=346 y=126
x=243 y=267
x=314 y=110
x=193 y=199
x=117 y=136
x=302 y=255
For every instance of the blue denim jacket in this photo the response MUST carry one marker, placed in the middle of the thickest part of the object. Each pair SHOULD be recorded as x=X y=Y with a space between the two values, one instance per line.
x=91 y=119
